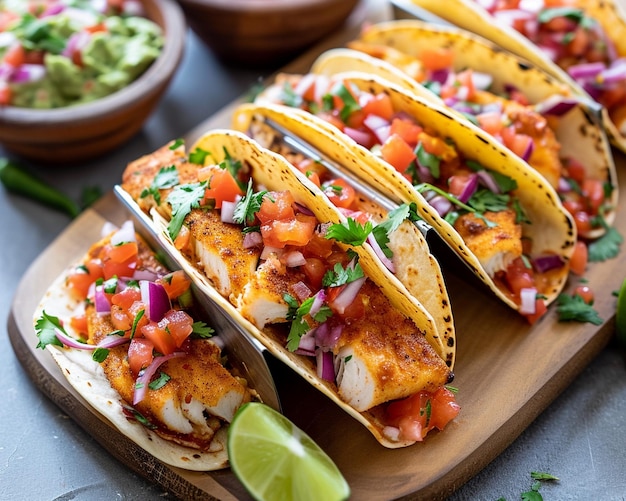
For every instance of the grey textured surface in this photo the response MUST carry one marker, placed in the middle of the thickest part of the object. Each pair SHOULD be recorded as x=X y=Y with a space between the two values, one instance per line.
x=580 y=438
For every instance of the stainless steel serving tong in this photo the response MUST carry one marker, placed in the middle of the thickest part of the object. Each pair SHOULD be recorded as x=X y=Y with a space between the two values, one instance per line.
x=245 y=353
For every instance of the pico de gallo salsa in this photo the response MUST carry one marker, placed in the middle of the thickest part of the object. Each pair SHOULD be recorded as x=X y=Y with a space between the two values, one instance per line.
x=57 y=53
x=574 y=41
x=462 y=191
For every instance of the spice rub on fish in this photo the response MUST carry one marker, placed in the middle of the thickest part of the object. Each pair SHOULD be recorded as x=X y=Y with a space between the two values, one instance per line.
x=167 y=373
x=313 y=290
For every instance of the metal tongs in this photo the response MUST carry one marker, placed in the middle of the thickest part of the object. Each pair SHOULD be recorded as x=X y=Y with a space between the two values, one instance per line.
x=245 y=352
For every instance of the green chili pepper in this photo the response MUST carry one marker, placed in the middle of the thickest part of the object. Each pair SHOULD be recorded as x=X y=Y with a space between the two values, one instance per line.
x=17 y=180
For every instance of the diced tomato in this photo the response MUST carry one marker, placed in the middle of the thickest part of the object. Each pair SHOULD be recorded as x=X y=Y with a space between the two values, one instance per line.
x=125 y=299
x=540 y=310
x=397 y=152
x=314 y=269
x=6 y=95
x=278 y=205
x=575 y=170
x=436 y=146
x=319 y=246
x=95 y=28
x=120 y=318
x=437 y=58
x=15 y=55
x=222 y=187
x=519 y=277
x=140 y=354
x=179 y=325
x=582 y=221
x=585 y=292
x=579 y=42
x=412 y=417
x=490 y=122
x=593 y=191
x=183 y=239
x=80 y=279
x=161 y=339
x=111 y=268
x=332 y=118
x=175 y=283
x=457 y=183
x=122 y=252
x=34 y=57
x=578 y=261
x=310 y=168
x=340 y=193
x=356 y=309
x=297 y=231
x=406 y=129
x=466 y=80
x=78 y=323
x=379 y=105
x=517 y=143
x=134 y=311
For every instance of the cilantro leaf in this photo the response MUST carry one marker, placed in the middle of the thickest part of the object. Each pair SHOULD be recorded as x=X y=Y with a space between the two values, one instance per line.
x=183 y=198
x=45 y=329
x=350 y=232
x=531 y=495
x=233 y=167
x=340 y=276
x=299 y=326
x=504 y=182
x=198 y=156
x=539 y=475
x=202 y=330
x=99 y=355
x=167 y=177
x=606 y=247
x=248 y=205
x=350 y=104
x=394 y=219
x=289 y=97
x=486 y=200
x=428 y=160
x=574 y=308
x=177 y=144
x=159 y=382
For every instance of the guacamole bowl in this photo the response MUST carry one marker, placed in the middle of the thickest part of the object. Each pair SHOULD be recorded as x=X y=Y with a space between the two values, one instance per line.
x=84 y=131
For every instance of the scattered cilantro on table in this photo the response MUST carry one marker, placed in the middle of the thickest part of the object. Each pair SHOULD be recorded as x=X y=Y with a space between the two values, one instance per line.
x=533 y=494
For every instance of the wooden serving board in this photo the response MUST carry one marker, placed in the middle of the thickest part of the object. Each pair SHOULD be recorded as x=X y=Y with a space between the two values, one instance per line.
x=507 y=373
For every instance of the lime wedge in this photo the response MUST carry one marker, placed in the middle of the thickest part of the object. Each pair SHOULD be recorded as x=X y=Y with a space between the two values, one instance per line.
x=276 y=460
x=620 y=315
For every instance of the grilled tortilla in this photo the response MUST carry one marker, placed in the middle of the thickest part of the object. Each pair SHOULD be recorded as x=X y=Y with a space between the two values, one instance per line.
x=549 y=227
x=610 y=15
x=392 y=50
x=184 y=422
x=392 y=352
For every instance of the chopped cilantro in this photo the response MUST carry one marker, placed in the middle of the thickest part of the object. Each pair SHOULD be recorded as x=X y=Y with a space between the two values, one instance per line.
x=248 y=205
x=99 y=355
x=167 y=177
x=504 y=182
x=547 y=15
x=198 y=156
x=183 y=198
x=574 y=308
x=299 y=326
x=45 y=329
x=486 y=200
x=138 y=317
x=233 y=167
x=159 y=382
x=110 y=285
x=202 y=330
x=340 y=276
x=350 y=232
x=289 y=96
x=428 y=160
x=177 y=144
x=350 y=104
x=605 y=247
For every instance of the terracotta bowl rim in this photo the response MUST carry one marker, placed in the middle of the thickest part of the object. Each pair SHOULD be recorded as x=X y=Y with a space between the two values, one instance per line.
x=253 y=7
x=149 y=83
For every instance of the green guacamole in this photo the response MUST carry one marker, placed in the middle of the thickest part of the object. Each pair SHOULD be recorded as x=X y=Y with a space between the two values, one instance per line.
x=72 y=53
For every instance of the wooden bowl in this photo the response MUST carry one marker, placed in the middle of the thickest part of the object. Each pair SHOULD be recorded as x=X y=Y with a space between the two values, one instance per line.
x=81 y=132
x=263 y=32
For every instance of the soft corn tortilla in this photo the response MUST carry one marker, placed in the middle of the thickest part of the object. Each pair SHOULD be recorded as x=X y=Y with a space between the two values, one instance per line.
x=552 y=230
x=90 y=382
x=578 y=133
x=469 y=15
x=274 y=173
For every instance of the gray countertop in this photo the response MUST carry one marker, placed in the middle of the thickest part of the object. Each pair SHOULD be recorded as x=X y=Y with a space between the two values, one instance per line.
x=44 y=455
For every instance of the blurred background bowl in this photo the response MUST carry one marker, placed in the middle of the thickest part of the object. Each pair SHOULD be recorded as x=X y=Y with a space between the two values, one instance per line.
x=264 y=32
x=81 y=132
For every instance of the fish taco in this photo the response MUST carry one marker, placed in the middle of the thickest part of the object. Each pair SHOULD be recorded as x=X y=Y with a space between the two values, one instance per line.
x=263 y=241
x=499 y=215
x=580 y=42
x=527 y=110
x=123 y=330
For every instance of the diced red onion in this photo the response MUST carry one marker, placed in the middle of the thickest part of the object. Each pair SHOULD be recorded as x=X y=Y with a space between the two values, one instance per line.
x=318 y=301
x=441 y=204
x=252 y=239
x=326 y=336
x=527 y=297
x=348 y=295
x=585 y=71
x=126 y=233
x=564 y=186
x=102 y=301
x=72 y=342
x=27 y=73
x=322 y=84
x=469 y=189
x=112 y=341
x=614 y=73
x=531 y=5
x=482 y=81
x=301 y=291
x=555 y=106
x=379 y=126
x=546 y=263
x=528 y=151
x=307 y=342
x=141 y=385
x=148 y=275
x=439 y=76
x=358 y=136
x=76 y=43
x=53 y=10
x=381 y=255
x=325 y=365
x=487 y=180
x=304 y=209
x=304 y=84
x=227 y=212
x=155 y=297
x=269 y=250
